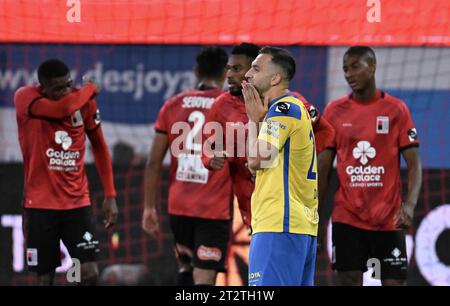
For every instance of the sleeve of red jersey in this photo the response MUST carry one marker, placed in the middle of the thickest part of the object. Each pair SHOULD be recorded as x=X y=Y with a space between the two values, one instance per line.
x=161 y=123
x=324 y=135
x=327 y=140
x=43 y=107
x=91 y=116
x=408 y=134
x=323 y=130
x=313 y=112
x=100 y=149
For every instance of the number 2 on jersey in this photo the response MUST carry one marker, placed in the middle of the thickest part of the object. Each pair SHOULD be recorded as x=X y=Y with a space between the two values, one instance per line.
x=311 y=174
x=198 y=118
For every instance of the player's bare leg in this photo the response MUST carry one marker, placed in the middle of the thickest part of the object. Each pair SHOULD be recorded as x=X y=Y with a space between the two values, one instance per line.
x=351 y=278
x=46 y=279
x=185 y=274
x=204 y=277
x=89 y=274
x=393 y=282
x=184 y=259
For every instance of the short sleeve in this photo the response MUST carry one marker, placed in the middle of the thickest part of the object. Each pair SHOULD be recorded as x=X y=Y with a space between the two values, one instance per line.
x=279 y=123
x=91 y=116
x=328 y=116
x=407 y=131
x=161 y=124
x=313 y=112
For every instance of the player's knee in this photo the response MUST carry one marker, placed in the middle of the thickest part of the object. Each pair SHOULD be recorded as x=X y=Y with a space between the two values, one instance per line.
x=89 y=274
x=204 y=277
x=46 y=279
x=351 y=278
x=89 y=279
x=185 y=278
x=393 y=282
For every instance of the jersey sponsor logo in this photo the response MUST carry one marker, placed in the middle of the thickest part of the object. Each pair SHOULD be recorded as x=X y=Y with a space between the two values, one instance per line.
x=396 y=260
x=191 y=169
x=254 y=275
x=365 y=176
x=273 y=128
x=63 y=138
x=197 y=102
x=412 y=134
x=87 y=236
x=347 y=124
x=396 y=253
x=282 y=107
x=88 y=243
x=363 y=151
x=209 y=253
x=32 y=257
x=254 y=278
x=382 y=125
x=63 y=160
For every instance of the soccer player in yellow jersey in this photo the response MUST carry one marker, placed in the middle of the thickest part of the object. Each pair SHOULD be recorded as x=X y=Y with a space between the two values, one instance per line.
x=281 y=150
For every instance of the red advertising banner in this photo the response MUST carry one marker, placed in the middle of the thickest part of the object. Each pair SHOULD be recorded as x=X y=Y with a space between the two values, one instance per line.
x=280 y=22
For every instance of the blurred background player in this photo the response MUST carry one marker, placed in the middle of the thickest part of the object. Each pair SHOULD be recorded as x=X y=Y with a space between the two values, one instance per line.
x=369 y=216
x=199 y=200
x=284 y=202
x=230 y=108
x=53 y=120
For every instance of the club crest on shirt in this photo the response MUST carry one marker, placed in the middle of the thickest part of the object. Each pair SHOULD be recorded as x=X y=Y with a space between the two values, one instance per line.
x=77 y=119
x=32 y=257
x=382 y=125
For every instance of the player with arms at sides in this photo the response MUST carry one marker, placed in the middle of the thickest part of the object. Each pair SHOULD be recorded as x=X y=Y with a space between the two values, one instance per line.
x=373 y=129
x=199 y=200
x=282 y=152
x=53 y=120
x=229 y=111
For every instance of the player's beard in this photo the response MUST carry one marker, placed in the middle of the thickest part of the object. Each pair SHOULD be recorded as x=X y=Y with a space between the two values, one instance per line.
x=236 y=92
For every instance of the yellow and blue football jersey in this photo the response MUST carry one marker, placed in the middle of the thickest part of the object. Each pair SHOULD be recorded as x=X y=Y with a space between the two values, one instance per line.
x=285 y=198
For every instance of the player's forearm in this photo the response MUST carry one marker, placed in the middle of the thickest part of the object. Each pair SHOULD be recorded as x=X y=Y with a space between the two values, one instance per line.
x=151 y=178
x=207 y=155
x=64 y=107
x=103 y=162
x=253 y=157
x=324 y=164
x=414 y=182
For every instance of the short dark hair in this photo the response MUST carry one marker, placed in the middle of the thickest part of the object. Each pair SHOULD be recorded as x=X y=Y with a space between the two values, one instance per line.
x=361 y=51
x=211 y=62
x=282 y=58
x=51 y=68
x=247 y=49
